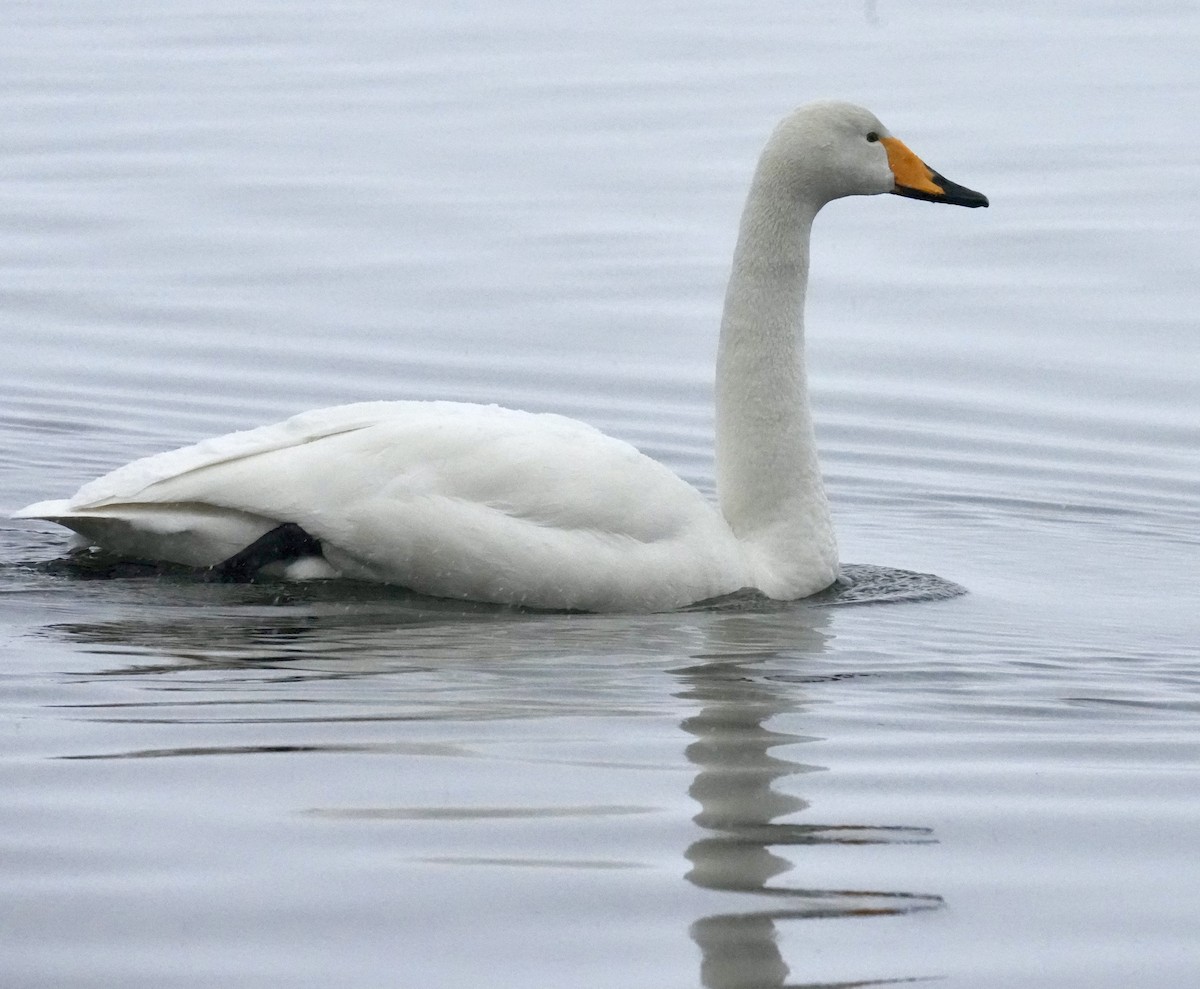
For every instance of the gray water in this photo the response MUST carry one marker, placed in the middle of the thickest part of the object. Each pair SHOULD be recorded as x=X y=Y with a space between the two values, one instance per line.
x=216 y=214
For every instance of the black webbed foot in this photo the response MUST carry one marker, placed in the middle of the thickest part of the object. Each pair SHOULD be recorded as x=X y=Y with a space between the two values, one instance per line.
x=282 y=544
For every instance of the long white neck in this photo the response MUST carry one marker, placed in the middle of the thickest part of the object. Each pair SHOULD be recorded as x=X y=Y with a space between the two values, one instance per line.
x=768 y=477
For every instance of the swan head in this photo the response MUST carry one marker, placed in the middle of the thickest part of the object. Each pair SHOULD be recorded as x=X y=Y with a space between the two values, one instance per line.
x=824 y=151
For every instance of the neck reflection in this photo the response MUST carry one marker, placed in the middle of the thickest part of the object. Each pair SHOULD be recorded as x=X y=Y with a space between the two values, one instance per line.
x=746 y=677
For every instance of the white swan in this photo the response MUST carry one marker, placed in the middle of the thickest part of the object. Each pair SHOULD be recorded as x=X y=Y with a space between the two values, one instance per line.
x=490 y=504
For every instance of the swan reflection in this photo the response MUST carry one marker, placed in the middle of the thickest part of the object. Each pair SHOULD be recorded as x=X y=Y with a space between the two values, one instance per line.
x=740 y=684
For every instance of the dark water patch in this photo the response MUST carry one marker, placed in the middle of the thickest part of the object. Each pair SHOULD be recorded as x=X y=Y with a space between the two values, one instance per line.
x=213 y=751
x=327 y=748
x=475 y=813
x=530 y=863
x=860 y=583
x=763 y=834
x=815 y=904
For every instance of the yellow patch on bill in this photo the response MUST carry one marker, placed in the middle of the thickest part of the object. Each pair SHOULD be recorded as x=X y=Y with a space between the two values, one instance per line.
x=909 y=170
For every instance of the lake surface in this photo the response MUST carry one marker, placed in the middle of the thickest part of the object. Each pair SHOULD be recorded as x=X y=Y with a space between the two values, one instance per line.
x=216 y=214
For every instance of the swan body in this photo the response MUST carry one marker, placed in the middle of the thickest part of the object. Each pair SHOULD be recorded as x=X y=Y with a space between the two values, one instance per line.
x=454 y=500
x=491 y=504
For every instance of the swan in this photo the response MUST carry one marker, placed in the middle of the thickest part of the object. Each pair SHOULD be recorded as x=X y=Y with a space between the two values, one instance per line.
x=490 y=504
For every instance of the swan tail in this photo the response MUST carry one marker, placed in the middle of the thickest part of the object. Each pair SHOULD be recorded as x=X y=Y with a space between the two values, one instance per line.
x=194 y=535
x=48 y=510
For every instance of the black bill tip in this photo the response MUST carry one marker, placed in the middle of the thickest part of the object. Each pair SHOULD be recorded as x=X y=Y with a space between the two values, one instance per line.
x=952 y=194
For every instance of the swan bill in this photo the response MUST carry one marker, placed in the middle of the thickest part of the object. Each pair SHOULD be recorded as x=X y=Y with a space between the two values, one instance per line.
x=916 y=180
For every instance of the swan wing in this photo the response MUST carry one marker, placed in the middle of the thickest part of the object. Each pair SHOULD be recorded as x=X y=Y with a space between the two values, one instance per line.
x=449 y=499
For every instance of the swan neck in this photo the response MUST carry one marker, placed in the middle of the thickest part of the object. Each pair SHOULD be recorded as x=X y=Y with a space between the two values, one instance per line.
x=768 y=478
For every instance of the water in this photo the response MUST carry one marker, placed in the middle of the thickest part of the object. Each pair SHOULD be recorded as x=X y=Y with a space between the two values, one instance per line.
x=213 y=215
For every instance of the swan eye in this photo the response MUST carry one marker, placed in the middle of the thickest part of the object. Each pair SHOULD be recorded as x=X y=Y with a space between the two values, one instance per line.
x=873 y=137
